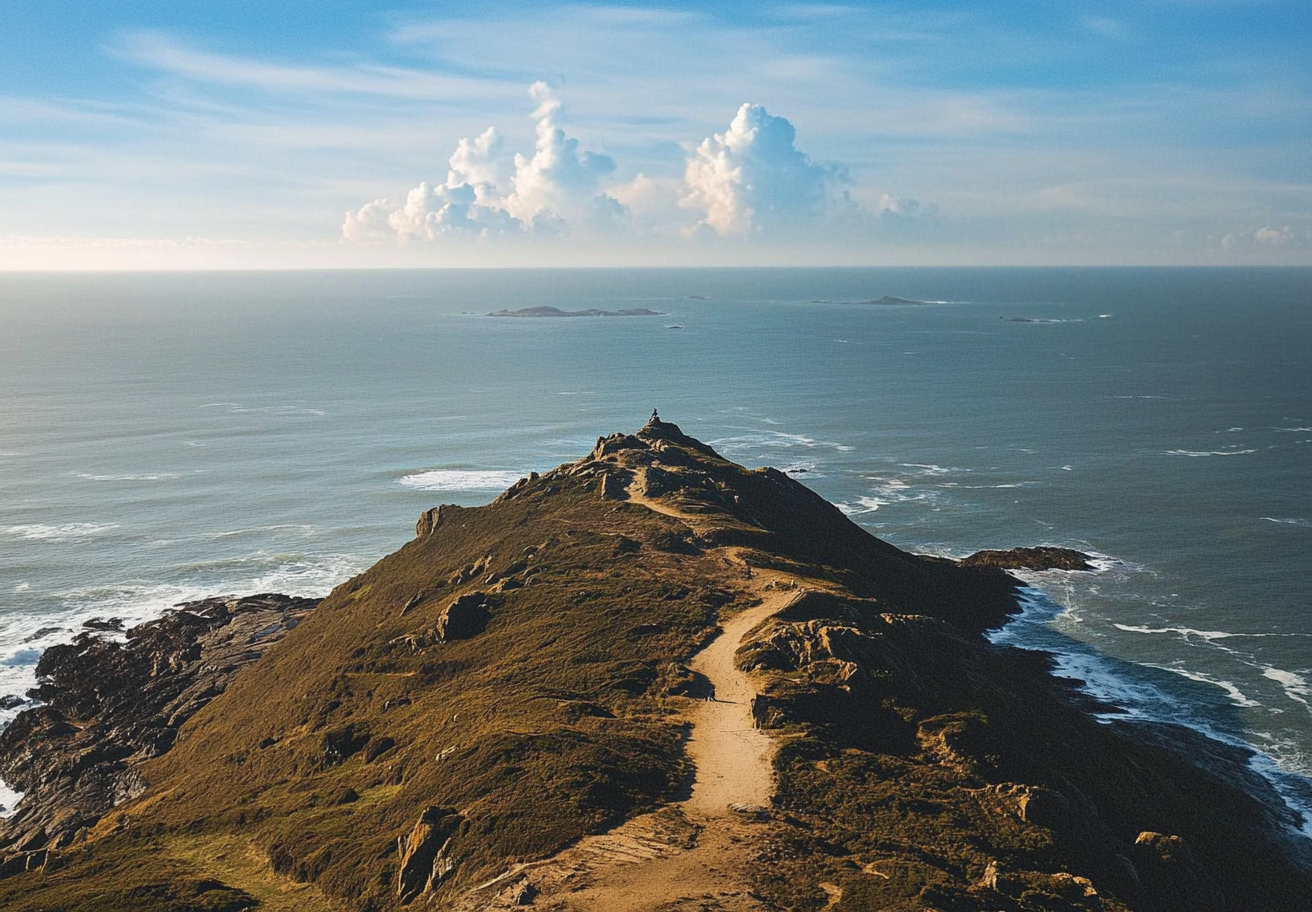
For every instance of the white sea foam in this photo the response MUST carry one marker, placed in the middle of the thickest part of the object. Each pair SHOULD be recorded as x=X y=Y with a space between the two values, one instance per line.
x=64 y=532
x=1232 y=690
x=887 y=491
x=1208 y=635
x=758 y=442
x=929 y=469
x=461 y=480
x=145 y=476
x=1208 y=452
x=1294 y=685
x=238 y=408
x=8 y=800
x=1305 y=523
x=296 y=529
x=1143 y=701
x=802 y=467
x=309 y=575
x=862 y=505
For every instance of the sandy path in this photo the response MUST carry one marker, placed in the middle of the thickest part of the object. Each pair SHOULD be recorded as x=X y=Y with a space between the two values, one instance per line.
x=732 y=757
x=691 y=855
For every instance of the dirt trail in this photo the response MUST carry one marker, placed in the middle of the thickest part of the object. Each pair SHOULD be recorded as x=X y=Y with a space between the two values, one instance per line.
x=690 y=855
x=732 y=757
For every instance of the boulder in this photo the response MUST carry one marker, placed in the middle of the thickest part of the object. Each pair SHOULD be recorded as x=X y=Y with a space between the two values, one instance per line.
x=465 y=617
x=430 y=520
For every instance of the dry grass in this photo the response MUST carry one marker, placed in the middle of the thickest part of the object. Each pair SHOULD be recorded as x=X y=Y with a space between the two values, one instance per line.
x=557 y=720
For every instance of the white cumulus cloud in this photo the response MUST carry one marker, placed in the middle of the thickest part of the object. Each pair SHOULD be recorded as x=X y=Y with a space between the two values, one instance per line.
x=751 y=177
x=558 y=183
x=749 y=181
x=546 y=193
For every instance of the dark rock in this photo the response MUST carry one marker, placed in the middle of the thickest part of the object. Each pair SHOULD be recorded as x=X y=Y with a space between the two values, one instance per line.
x=1173 y=877
x=110 y=706
x=377 y=747
x=1041 y=558
x=112 y=624
x=889 y=301
x=626 y=545
x=548 y=311
x=465 y=617
x=11 y=701
x=613 y=486
x=1042 y=807
x=340 y=744
x=43 y=632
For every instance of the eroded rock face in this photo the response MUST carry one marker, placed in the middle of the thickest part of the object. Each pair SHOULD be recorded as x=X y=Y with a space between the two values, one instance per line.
x=431 y=520
x=108 y=706
x=425 y=859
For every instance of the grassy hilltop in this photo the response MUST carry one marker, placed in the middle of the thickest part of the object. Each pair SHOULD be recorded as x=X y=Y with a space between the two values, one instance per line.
x=517 y=677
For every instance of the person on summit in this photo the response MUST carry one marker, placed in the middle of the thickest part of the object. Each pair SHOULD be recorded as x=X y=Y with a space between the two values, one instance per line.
x=654 y=417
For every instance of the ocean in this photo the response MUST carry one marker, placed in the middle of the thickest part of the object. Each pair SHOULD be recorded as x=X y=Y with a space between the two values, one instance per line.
x=166 y=437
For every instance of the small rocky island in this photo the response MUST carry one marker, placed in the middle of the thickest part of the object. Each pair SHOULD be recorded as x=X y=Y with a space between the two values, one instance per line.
x=548 y=311
x=891 y=301
x=885 y=301
x=650 y=680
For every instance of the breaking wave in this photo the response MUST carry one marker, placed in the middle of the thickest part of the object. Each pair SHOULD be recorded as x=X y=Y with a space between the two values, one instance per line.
x=64 y=532
x=461 y=480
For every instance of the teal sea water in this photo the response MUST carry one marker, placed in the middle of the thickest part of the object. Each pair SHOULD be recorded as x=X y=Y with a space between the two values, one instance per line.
x=168 y=437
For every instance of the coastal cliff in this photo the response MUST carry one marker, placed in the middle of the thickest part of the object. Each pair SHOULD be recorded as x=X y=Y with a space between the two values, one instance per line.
x=649 y=679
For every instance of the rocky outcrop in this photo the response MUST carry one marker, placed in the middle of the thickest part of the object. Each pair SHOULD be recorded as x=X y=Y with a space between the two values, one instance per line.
x=424 y=853
x=1172 y=875
x=1040 y=558
x=465 y=617
x=108 y=706
x=431 y=520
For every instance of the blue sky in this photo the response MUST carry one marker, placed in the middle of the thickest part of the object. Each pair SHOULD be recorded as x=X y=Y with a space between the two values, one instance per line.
x=296 y=134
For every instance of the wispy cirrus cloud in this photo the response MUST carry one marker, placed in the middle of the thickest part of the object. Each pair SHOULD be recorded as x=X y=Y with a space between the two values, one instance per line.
x=165 y=54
